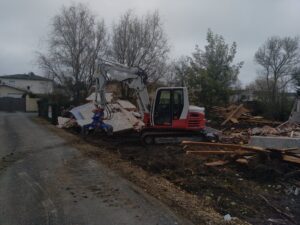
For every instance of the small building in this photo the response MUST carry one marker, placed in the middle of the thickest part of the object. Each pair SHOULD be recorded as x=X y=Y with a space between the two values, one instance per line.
x=29 y=82
x=12 y=92
x=16 y=99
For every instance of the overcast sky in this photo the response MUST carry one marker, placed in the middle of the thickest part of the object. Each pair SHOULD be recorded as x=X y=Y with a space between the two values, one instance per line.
x=24 y=25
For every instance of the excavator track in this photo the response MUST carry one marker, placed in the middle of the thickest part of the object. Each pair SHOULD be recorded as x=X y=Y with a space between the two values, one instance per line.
x=172 y=137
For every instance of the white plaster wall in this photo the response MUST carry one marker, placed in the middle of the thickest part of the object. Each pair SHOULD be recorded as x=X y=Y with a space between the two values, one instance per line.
x=36 y=86
x=10 y=92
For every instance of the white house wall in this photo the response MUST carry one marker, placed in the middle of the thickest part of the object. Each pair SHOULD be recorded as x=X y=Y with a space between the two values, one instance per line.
x=35 y=86
x=10 y=92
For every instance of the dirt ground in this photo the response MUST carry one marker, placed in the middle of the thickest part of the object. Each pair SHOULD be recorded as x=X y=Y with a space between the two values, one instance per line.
x=257 y=193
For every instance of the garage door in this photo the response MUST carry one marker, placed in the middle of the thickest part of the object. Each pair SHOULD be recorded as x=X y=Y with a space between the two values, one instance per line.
x=12 y=104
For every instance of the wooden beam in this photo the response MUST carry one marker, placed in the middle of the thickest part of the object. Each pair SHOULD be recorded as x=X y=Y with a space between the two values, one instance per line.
x=216 y=163
x=290 y=158
x=212 y=152
x=242 y=161
x=232 y=114
x=218 y=152
x=232 y=146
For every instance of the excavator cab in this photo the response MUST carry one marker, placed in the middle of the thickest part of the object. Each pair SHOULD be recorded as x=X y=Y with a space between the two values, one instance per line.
x=172 y=116
x=170 y=109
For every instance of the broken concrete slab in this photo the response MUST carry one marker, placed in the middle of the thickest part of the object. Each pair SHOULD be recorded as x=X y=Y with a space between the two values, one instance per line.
x=276 y=142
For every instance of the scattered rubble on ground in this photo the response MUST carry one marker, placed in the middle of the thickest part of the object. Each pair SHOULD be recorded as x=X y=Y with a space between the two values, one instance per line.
x=286 y=129
x=240 y=127
x=243 y=154
x=235 y=184
x=251 y=182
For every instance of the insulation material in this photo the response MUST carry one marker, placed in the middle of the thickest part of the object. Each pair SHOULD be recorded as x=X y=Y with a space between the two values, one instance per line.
x=83 y=114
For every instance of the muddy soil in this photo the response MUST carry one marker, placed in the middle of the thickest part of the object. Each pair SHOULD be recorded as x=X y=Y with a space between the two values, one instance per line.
x=258 y=193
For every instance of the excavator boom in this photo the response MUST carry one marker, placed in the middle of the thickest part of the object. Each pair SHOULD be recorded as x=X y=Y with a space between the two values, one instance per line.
x=135 y=78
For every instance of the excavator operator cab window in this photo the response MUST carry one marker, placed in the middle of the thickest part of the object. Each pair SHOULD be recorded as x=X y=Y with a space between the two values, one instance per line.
x=177 y=103
x=168 y=106
x=162 y=111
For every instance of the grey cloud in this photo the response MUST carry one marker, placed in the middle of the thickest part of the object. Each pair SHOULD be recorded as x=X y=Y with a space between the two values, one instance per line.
x=24 y=23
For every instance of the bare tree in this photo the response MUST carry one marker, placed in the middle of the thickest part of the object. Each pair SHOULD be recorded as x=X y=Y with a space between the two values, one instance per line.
x=76 y=41
x=177 y=71
x=141 y=42
x=279 y=59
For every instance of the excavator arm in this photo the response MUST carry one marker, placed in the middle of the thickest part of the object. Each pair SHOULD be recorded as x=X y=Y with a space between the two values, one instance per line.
x=135 y=78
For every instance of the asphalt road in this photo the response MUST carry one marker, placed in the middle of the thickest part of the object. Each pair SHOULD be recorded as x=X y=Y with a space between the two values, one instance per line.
x=45 y=181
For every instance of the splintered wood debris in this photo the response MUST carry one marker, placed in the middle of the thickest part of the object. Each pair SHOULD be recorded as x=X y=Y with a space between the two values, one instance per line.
x=239 y=153
x=235 y=114
x=286 y=129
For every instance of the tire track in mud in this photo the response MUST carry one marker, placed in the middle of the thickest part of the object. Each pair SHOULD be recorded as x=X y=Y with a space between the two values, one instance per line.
x=47 y=203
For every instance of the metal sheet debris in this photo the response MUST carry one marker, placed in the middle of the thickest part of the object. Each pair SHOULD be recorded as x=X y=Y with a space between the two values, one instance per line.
x=83 y=114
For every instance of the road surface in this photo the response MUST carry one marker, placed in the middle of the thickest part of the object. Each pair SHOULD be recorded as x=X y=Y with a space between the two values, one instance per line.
x=45 y=181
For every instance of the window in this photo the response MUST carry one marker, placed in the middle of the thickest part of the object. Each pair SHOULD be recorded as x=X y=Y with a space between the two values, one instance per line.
x=162 y=111
x=168 y=106
x=165 y=97
x=177 y=103
x=11 y=82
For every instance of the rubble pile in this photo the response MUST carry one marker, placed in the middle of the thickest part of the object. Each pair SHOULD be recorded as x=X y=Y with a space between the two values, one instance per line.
x=120 y=114
x=235 y=114
x=241 y=127
x=241 y=154
x=287 y=129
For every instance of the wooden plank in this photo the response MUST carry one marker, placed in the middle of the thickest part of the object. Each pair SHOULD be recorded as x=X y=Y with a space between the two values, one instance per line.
x=216 y=163
x=218 y=152
x=232 y=146
x=212 y=152
x=232 y=114
x=242 y=161
x=234 y=120
x=292 y=159
x=284 y=150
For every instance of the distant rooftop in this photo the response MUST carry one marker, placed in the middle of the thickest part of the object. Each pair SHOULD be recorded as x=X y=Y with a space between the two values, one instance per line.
x=29 y=76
